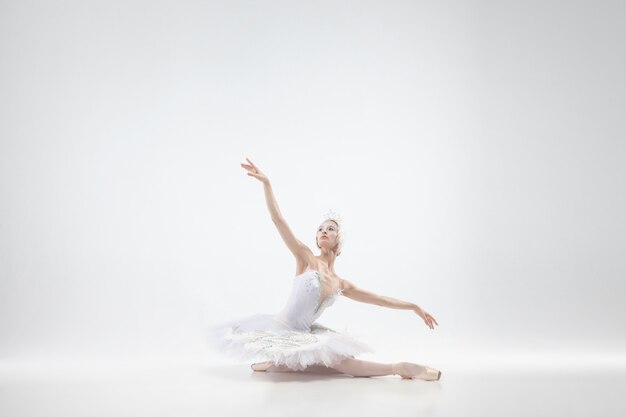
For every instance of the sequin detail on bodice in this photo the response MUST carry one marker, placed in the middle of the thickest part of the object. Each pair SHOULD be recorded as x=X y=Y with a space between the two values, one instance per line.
x=303 y=306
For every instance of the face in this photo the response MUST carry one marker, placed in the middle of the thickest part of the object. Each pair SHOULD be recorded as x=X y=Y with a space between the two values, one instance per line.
x=327 y=234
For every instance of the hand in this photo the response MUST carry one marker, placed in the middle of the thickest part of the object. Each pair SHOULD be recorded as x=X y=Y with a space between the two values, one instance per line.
x=255 y=172
x=428 y=319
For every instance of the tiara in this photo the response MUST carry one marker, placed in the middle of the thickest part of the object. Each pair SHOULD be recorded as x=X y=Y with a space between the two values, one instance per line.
x=334 y=216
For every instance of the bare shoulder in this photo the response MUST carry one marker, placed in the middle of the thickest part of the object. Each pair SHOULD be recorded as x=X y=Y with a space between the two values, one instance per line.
x=350 y=290
x=345 y=285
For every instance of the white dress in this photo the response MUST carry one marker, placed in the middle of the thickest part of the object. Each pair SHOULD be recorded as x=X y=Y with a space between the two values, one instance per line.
x=292 y=337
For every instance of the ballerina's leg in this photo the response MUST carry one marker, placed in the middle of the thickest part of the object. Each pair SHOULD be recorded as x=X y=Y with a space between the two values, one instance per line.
x=313 y=369
x=357 y=367
x=350 y=366
x=360 y=368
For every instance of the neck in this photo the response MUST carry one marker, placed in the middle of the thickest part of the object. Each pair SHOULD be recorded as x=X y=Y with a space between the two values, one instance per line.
x=328 y=258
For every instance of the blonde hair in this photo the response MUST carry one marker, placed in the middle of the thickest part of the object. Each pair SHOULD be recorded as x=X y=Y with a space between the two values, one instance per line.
x=341 y=234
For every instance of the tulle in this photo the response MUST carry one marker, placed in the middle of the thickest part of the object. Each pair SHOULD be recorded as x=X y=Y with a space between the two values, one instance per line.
x=263 y=337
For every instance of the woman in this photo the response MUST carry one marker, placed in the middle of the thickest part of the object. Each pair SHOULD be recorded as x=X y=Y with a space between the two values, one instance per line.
x=292 y=340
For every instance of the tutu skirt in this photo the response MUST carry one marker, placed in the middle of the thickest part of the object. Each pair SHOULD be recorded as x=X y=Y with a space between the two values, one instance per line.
x=264 y=337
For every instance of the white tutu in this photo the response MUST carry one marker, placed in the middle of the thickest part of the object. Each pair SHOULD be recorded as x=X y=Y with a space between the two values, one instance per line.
x=291 y=337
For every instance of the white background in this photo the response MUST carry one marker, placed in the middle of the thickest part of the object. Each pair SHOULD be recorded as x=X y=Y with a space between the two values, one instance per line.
x=474 y=149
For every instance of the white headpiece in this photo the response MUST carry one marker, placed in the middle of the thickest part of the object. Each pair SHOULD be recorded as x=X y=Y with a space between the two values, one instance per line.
x=334 y=216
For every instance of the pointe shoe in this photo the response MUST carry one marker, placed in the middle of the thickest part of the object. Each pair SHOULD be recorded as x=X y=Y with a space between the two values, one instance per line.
x=409 y=370
x=261 y=366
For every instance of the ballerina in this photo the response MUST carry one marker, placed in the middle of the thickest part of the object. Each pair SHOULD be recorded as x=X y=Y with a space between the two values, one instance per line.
x=292 y=340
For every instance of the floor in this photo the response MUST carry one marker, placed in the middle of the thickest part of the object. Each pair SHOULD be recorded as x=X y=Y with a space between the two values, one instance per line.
x=203 y=389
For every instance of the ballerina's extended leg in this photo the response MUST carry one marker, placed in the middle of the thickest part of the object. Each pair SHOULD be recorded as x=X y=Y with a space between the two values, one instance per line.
x=357 y=367
x=361 y=368
x=406 y=370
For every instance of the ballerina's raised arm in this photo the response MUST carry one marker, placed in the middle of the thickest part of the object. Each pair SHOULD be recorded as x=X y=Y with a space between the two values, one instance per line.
x=299 y=249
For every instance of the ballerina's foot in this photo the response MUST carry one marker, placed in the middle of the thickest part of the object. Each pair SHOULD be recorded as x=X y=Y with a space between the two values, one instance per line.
x=261 y=366
x=408 y=370
x=269 y=367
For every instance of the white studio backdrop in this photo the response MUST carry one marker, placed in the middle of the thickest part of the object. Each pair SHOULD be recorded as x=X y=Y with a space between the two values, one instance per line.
x=474 y=149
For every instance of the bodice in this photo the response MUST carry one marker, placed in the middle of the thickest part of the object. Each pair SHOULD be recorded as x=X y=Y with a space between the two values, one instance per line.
x=304 y=304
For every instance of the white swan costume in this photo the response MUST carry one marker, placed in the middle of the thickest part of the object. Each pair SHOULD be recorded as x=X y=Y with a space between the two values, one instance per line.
x=291 y=337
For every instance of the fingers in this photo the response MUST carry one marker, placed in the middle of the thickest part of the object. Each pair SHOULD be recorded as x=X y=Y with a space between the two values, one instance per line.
x=249 y=168
x=429 y=321
x=254 y=166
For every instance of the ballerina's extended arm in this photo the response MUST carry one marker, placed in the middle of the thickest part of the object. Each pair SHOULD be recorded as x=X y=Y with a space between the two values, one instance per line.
x=358 y=294
x=299 y=249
